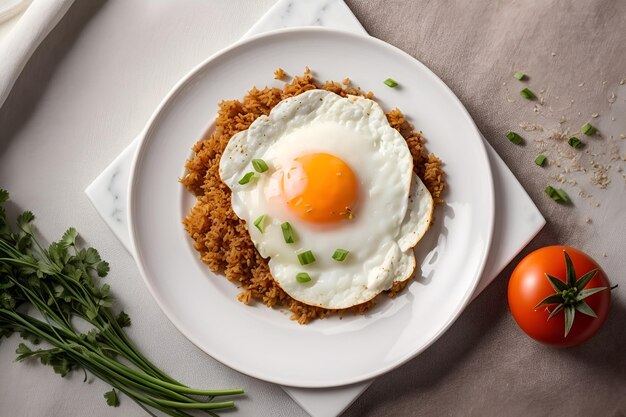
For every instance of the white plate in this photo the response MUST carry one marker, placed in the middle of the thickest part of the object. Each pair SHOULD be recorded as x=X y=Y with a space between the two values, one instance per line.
x=263 y=342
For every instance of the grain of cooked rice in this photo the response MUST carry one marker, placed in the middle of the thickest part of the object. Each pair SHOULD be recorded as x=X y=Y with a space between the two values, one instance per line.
x=222 y=239
x=279 y=74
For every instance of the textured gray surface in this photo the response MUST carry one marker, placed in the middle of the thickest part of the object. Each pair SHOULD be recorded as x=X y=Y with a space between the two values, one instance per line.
x=484 y=365
x=93 y=83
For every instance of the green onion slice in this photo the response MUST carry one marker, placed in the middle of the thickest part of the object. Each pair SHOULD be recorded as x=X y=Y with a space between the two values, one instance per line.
x=514 y=137
x=575 y=143
x=246 y=178
x=288 y=232
x=260 y=223
x=558 y=195
x=306 y=257
x=519 y=75
x=389 y=82
x=540 y=160
x=340 y=255
x=588 y=129
x=563 y=195
x=303 y=277
x=552 y=193
x=527 y=94
x=259 y=165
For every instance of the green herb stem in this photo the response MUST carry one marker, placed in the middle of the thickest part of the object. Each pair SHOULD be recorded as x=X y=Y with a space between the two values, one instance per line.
x=125 y=345
x=131 y=373
x=137 y=397
x=96 y=363
x=60 y=283
x=130 y=352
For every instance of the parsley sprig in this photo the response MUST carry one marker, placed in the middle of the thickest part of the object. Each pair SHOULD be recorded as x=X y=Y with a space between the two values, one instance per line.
x=60 y=283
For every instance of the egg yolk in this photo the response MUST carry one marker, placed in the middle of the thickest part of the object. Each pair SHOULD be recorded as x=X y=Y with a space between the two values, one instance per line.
x=320 y=188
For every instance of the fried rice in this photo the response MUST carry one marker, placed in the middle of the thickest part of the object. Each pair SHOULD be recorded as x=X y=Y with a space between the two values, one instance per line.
x=222 y=239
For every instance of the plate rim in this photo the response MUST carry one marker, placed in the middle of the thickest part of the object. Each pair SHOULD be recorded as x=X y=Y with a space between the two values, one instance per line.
x=171 y=95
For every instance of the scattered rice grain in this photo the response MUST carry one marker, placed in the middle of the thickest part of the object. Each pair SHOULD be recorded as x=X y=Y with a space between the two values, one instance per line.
x=279 y=74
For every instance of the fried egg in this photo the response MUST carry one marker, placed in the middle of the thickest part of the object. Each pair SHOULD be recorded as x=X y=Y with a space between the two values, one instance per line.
x=327 y=190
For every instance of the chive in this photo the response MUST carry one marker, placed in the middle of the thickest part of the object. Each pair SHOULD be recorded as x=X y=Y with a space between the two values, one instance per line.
x=563 y=195
x=260 y=223
x=389 y=82
x=527 y=94
x=519 y=75
x=340 y=255
x=514 y=137
x=306 y=258
x=575 y=143
x=540 y=160
x=558 y=195
x=246 y=178
x=288 y=232
x=303 y=277
x=552 y=193
x=259 y=165
x=588 y=129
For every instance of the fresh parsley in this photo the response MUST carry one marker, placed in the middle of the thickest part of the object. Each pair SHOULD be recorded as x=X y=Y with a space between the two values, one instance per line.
x=60 y=283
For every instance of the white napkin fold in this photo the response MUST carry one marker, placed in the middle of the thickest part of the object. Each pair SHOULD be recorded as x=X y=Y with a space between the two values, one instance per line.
x=24 y=38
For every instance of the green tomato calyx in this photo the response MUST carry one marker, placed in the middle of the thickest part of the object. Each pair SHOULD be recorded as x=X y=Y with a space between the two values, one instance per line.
x=569 y=296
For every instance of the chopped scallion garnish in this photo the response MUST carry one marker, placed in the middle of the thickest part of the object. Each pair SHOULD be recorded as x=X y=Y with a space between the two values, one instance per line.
x=563 y=195
x=288 y=232
x=552 y=193
x=340 y=255
x=302 y=277
x=527 y=94
x=514 y=137
x=259 y=165
x=389 y=82
x=575 y=143
x=540 y=160
x=246 y=178
x=558 y=195
x=519 y=75
x=306 y=257
x=588 y=129
x=260 y=223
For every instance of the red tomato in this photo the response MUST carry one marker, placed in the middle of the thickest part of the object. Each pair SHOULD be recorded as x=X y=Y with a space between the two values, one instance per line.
x=529 y=285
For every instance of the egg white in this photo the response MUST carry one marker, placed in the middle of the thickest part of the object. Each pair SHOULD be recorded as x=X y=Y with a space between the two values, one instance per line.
x=386 y=225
